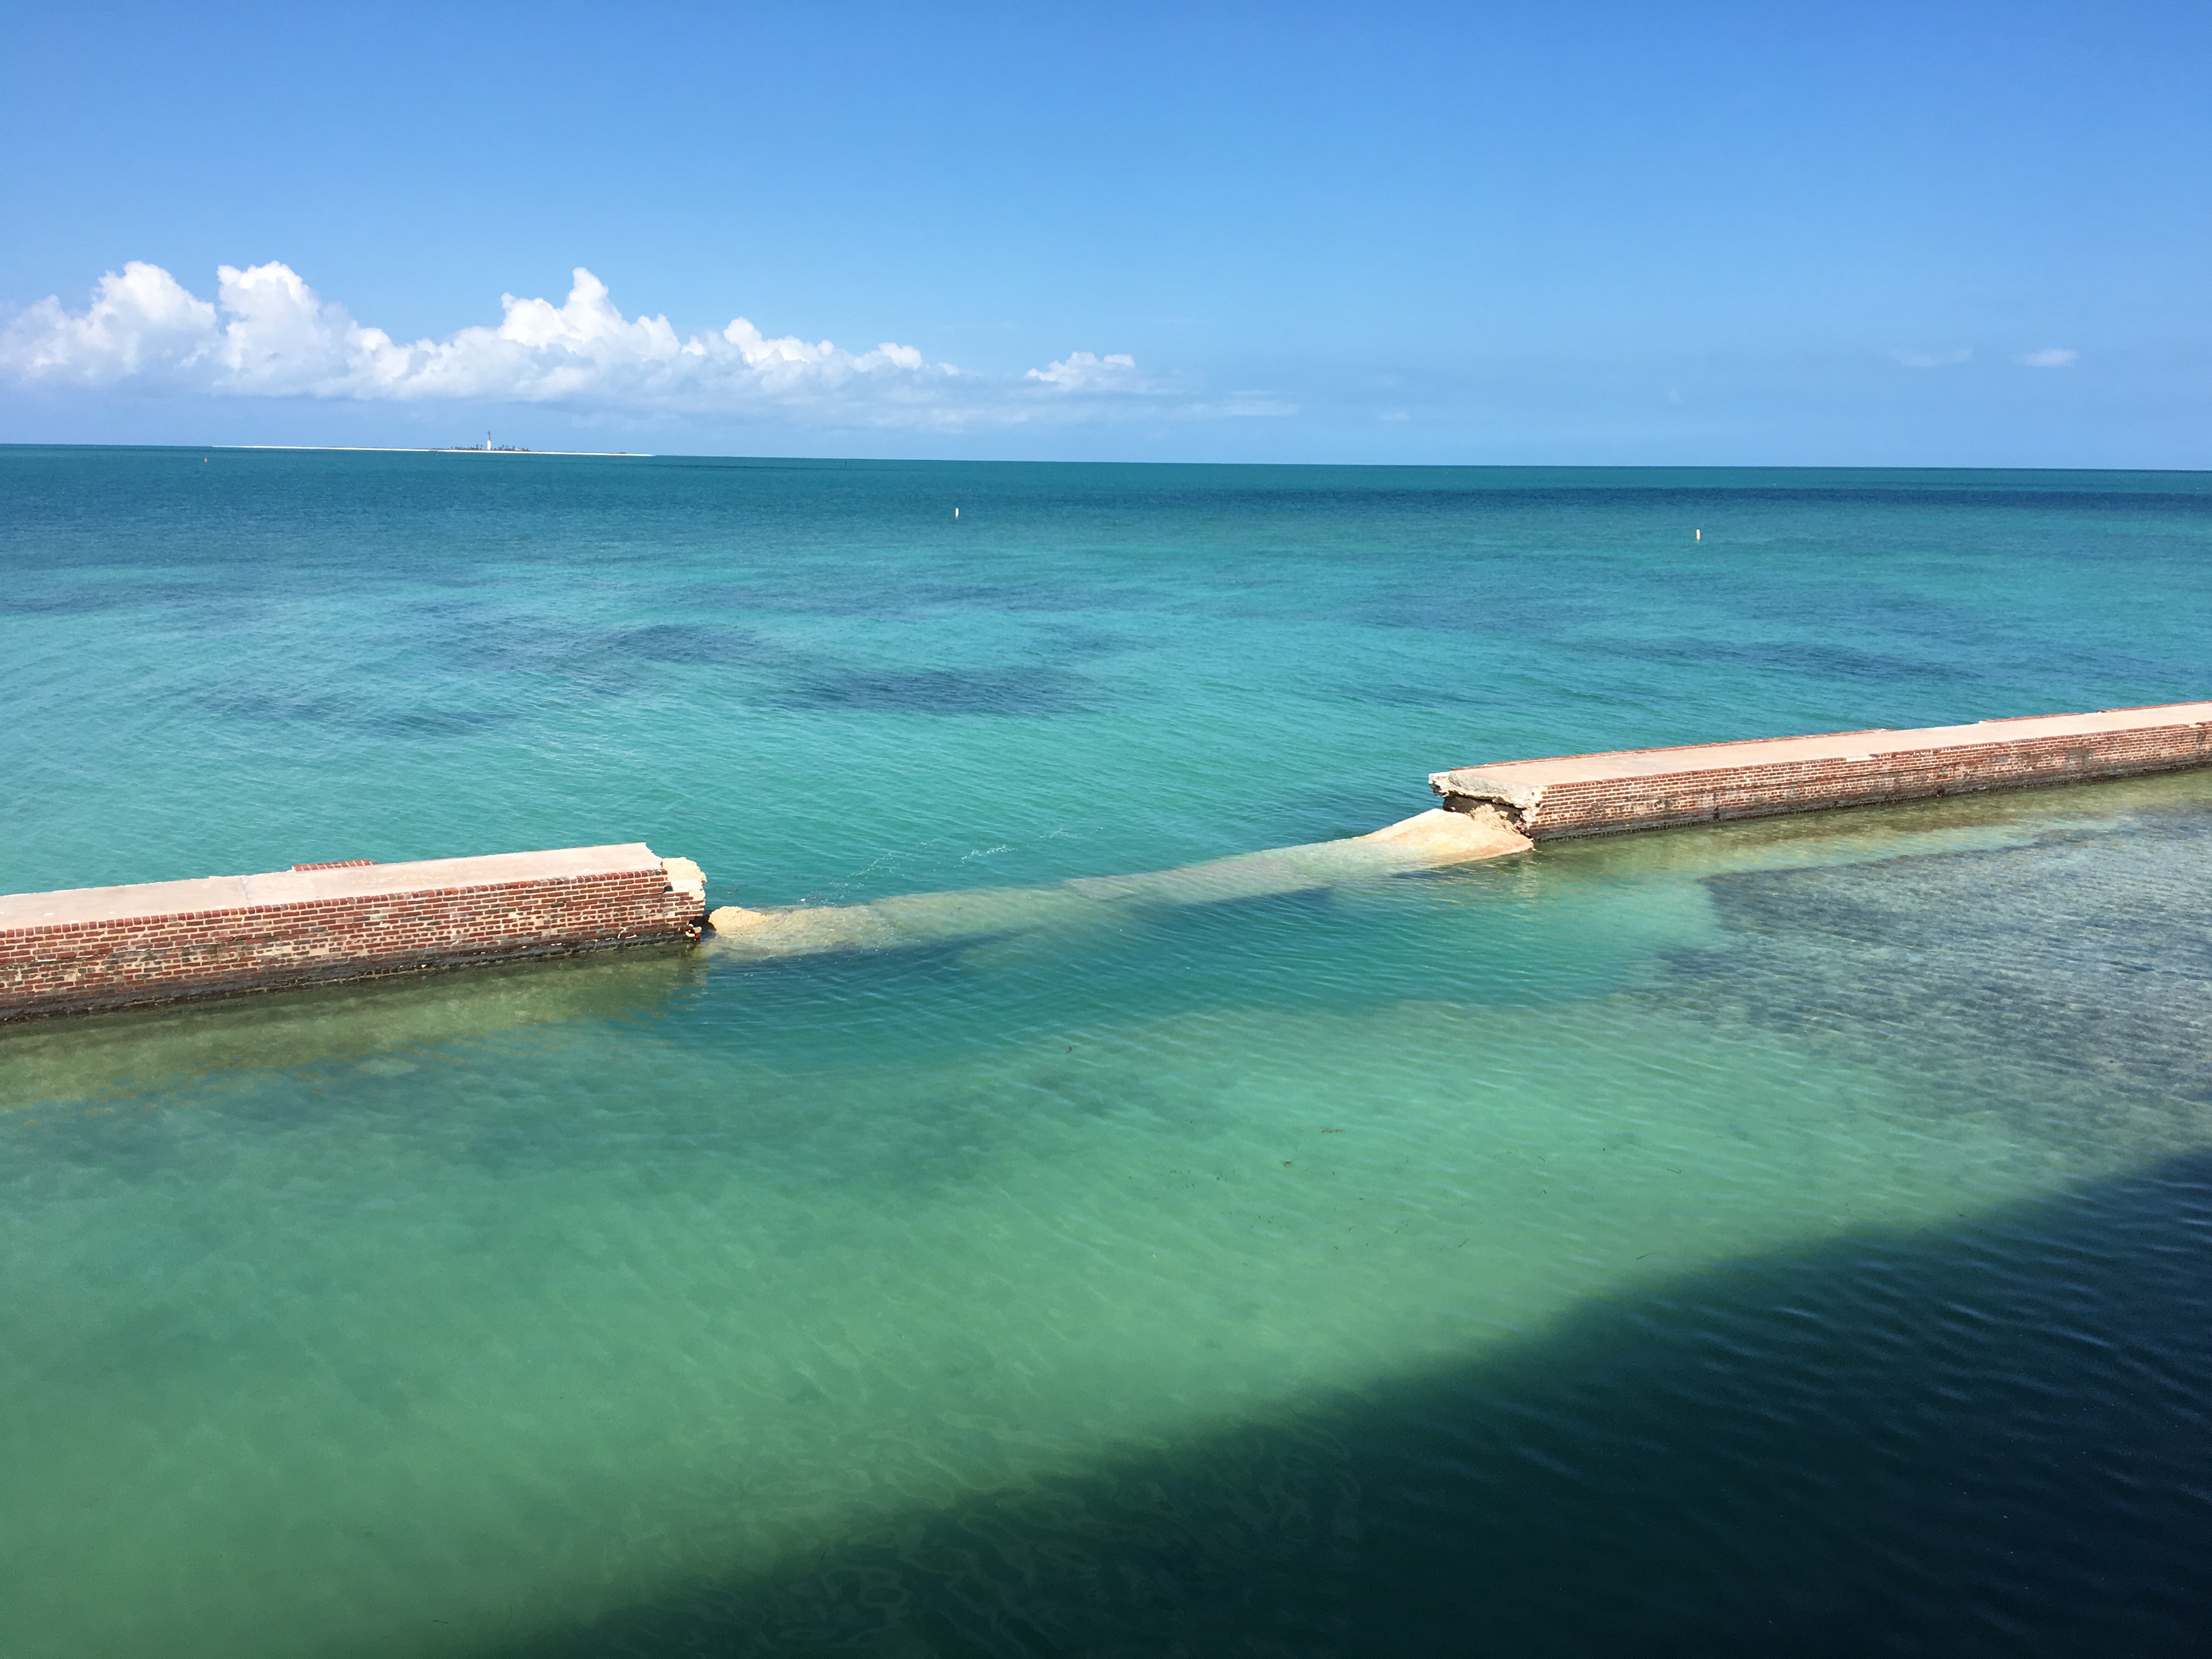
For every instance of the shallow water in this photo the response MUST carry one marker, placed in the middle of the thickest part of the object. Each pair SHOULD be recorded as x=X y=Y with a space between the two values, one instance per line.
x=1782 y=1237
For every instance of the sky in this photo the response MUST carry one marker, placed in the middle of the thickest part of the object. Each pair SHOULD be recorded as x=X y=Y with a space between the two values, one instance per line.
x=1868 y=233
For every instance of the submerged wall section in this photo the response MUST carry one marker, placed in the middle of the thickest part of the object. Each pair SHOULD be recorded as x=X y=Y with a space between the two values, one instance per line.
x=1428 y=840
x=112 y=947
x=1654 y=788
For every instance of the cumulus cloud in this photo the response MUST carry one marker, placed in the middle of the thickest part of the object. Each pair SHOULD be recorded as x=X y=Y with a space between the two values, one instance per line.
x=141 y=322
x=267 y=333
x=1085 y=371
x=1934 y=359
x=2049 y=358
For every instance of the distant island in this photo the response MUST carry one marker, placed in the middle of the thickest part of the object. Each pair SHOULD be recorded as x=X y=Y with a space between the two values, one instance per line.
x=487 y=447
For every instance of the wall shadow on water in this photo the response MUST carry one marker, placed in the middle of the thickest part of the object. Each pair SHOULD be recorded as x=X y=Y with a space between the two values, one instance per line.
x=90 y=1057
x=1991 y=1439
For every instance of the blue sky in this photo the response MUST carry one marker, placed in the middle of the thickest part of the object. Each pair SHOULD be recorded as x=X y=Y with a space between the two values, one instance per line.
x=1883 y=234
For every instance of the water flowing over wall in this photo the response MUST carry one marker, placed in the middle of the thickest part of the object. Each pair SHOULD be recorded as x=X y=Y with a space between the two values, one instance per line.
x=1426 y=841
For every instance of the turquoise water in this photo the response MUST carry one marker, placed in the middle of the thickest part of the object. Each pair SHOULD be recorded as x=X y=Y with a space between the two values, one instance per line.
x=1787 y=1237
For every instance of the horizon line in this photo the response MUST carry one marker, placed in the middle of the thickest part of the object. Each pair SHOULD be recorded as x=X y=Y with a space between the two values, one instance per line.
x=900 y=460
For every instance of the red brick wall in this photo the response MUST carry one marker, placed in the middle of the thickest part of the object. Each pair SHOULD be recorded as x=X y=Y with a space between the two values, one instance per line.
x=1755 y=790
x=74 y=967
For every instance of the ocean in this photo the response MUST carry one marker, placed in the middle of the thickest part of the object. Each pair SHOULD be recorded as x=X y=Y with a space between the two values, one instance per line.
x=1791 y=1238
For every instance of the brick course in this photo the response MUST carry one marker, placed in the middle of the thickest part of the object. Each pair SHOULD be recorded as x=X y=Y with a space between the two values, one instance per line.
x=98 y=948
x=1656 y=788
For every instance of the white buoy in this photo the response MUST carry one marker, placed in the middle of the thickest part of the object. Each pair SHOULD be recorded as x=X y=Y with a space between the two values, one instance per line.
x=956 y=511
x=1701 y=535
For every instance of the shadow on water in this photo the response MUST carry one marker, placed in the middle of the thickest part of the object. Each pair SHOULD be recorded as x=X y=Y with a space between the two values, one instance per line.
x=90 y=1057
x=1987 y=1439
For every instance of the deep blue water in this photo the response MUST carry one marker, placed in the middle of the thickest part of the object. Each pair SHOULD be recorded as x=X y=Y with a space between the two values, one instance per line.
x=1780 y=1238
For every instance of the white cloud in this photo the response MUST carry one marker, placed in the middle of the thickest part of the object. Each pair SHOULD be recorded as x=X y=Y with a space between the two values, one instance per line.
x=2050 y=357
x=1084 y=371
x=1933 y=358
x=268 y=334
x=141 y=322
x=1238 y=405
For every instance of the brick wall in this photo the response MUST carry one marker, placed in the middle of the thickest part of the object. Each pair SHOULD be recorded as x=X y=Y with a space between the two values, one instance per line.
x=117 y=960
x=1644 y=794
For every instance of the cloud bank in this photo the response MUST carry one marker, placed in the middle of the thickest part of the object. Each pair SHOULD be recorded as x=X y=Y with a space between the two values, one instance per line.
x=2048 y=357
x=268 y=334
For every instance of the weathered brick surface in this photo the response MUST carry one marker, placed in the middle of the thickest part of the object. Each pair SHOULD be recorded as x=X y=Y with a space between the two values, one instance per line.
x=1654 y=788
x=114 y=947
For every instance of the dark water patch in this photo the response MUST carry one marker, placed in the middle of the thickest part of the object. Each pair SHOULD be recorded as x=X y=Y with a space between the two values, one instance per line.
x=599 y=658
x=2071 y=975
x=596 y=662
x=436 y=723
x=694 y=643
x=1023 y=690
x=870 y=593
x=816 y=593
x=346 y=715
x=91 y=599
x=1989 y=1439
x=482 y=643
x=1069 y=642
